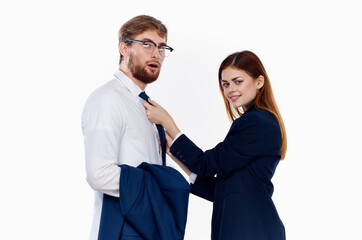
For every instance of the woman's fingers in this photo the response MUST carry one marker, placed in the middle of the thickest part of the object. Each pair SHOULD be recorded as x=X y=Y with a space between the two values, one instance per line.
x=152 y=112
x=153 y=102
x=146 y=104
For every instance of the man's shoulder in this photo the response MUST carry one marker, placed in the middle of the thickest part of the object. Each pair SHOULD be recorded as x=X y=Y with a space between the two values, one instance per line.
x=105 y=98
x=109 y=88
x=110 y=91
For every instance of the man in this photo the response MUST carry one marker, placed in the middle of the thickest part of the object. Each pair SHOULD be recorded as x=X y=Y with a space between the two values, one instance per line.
x=114 y=122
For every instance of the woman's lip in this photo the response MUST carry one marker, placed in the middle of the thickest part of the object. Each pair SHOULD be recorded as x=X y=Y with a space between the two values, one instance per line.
x=234 y=98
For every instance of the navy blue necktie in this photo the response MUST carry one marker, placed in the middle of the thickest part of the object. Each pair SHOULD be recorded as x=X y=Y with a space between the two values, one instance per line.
x=160 y=130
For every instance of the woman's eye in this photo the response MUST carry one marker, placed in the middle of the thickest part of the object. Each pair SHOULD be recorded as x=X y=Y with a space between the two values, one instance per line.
x=237 y=82
x=225 y=84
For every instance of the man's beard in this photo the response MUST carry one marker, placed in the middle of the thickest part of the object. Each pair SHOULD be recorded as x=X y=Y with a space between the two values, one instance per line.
x=140 y=72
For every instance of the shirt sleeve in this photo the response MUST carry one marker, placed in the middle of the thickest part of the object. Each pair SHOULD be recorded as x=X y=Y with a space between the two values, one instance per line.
x=103 y=125
x=193 y=177
x=190 y=179
x=177 y=136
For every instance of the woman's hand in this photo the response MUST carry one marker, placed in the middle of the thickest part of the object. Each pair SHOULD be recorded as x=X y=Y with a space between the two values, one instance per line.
x=156 y=113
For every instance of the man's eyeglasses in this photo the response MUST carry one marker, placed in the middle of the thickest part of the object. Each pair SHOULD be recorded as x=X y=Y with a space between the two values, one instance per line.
x=150 y=46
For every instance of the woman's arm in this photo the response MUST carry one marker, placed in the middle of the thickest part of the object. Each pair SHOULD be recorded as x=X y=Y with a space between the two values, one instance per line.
x=229 y=155
x=247 y=140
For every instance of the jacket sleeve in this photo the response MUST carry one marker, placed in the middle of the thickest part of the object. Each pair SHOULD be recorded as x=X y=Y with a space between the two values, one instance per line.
x=204 y=187
x=242 y=144
x=153 y=200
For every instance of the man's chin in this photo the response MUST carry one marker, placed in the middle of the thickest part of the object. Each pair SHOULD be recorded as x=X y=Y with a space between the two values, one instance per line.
x=152 y=76
x=153 y=73
x=148 y=78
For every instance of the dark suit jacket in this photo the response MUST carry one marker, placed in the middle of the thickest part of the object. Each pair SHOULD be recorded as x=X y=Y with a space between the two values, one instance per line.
x=152 y=205
x=243 y=164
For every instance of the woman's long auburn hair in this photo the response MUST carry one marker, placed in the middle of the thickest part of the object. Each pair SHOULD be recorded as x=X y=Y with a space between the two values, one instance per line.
x=252 y=65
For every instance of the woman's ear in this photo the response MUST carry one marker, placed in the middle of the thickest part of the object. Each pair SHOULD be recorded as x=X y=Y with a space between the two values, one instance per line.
x=260 y=82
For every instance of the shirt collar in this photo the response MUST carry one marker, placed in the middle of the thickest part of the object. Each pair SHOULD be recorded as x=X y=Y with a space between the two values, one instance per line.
x=132 y=87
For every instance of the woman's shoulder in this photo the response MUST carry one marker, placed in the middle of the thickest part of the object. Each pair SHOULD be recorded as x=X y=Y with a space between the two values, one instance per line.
x=257 y=116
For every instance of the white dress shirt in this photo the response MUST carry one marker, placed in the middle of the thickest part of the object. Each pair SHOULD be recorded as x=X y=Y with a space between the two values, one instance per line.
x=116 y=131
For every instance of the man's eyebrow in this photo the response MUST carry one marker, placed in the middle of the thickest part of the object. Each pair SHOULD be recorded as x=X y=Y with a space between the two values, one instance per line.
x=150 y=40
x=147 y=39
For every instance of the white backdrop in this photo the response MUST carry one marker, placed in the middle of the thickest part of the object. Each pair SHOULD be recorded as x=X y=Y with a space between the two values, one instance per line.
x=54 y=53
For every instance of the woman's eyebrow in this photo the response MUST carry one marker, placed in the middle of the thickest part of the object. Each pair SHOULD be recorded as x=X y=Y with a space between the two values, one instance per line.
x=232 y=79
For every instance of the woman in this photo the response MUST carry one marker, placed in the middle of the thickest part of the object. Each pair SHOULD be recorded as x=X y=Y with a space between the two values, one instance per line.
x=236 y=174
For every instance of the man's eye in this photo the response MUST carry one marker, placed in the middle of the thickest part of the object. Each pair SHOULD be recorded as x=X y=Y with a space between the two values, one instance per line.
x=146 y=45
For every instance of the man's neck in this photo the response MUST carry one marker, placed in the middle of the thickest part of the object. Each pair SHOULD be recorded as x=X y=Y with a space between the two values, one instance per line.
x=126 y=71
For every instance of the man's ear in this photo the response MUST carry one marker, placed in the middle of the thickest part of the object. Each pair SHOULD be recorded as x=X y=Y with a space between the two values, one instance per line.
x=260 y=82
x=123 y=49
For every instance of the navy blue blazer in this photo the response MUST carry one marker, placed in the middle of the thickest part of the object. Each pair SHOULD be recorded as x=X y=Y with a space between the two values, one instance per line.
x=152 y=205
x=236 y=175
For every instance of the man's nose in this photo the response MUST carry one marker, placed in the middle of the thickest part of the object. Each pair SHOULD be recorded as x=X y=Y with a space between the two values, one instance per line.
x=156 y=53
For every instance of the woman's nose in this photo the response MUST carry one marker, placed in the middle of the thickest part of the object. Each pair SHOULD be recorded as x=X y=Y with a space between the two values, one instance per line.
x=231 y=87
